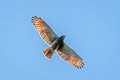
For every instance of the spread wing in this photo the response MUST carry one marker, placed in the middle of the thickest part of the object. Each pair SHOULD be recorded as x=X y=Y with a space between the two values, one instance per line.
x=44 y=29
x=69 y=55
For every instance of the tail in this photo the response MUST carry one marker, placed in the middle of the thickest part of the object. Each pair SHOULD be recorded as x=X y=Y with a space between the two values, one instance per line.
x=48 y=52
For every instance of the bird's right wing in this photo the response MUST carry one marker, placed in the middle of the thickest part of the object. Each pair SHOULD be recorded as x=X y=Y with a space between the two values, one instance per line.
x=44 y=29
x=69 y=55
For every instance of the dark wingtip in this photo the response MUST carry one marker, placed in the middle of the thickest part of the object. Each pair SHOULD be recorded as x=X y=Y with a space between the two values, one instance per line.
x=36 y=17
x=80 y=67
x=33 y=19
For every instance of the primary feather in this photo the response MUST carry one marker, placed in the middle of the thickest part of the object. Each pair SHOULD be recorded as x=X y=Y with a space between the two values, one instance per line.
x=45 y=31
x=69 y=55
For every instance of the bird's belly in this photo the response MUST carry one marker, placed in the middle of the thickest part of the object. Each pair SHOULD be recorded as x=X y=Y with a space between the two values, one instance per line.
x=56 y=44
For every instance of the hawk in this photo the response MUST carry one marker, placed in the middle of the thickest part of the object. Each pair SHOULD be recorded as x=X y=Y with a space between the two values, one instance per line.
x=56 y=43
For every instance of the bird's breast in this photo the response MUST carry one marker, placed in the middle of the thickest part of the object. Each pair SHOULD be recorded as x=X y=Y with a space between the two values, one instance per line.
x=57 y=44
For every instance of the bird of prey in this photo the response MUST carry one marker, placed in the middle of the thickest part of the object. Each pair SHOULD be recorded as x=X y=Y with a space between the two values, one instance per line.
x=56 y=43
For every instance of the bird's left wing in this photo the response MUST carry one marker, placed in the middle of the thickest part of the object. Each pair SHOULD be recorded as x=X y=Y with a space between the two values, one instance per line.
x=69 y=55
x=44 y=29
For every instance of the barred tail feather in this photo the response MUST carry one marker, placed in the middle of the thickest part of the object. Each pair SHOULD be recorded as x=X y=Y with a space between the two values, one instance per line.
x=48 y=52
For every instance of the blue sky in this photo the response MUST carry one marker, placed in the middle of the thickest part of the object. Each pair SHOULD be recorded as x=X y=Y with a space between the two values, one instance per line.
x=92 y=29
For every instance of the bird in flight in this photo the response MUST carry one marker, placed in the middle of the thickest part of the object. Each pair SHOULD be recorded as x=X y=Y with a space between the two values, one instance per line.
x=56 y=43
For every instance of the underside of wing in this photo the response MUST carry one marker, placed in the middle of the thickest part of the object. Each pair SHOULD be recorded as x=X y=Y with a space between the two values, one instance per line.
x=44 y=29
x=69 y=55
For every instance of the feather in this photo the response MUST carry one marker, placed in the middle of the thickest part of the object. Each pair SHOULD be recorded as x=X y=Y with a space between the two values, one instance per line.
x=45 y=31
x=69 y=55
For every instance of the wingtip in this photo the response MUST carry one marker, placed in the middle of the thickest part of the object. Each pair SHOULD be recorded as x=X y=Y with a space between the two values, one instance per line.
x=80 y=67
x=36 y=17
x=83 y=63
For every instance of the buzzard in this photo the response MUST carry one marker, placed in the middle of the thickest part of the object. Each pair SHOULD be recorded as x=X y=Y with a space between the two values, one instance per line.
x=56 y=43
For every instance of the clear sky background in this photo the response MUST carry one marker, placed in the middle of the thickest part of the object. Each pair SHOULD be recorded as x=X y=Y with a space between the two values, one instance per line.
x=92 y=29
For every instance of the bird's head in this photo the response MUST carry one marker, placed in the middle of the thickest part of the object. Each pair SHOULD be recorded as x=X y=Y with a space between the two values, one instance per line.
x=63 y=37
